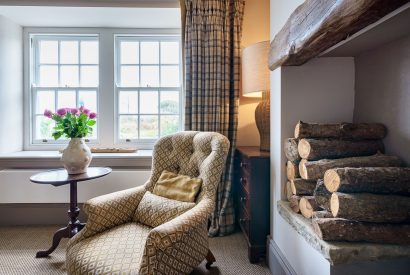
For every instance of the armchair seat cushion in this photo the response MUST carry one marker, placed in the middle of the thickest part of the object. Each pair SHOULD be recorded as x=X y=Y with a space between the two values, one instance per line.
x=155 y=210
x=115 y=251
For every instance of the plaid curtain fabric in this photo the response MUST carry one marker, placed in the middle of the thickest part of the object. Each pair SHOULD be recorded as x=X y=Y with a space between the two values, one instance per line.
x=212 y=33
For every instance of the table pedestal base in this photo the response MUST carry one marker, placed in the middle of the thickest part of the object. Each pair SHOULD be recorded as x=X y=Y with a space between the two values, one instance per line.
x=73 y=227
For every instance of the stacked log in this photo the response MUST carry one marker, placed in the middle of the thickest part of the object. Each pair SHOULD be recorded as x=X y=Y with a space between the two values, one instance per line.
x=341 y=179
x=302 y=187
x=316 y=169
x=355 y=131
x=378 y=180
x=315 y=149
x=368 y=207
x=336 y=229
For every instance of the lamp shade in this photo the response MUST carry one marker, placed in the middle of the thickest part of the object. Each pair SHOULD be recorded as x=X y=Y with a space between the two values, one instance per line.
x=255 y=70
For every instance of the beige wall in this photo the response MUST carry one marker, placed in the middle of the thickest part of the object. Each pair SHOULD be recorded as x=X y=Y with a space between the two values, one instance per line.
x=383 y=93
x=255 y=29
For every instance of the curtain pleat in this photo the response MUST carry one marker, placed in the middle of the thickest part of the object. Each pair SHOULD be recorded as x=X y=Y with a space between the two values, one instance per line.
x=212 y=32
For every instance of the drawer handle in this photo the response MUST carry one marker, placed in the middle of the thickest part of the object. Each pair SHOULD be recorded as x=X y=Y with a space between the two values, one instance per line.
x=243 y=199
x=242 y=180
x=242 y=164
x=243 y=220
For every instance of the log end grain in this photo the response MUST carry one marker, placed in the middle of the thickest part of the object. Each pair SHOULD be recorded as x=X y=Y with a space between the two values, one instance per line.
x=297 y=129
x=304 y=148
x=292 y=170
x=307 y=206
x=292 y=187
x=302 y=169
x=288 y=190
x=334 y=204
x=331 y=180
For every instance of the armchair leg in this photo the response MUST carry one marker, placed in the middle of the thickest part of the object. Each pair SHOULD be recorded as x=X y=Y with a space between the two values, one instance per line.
x=210 y=259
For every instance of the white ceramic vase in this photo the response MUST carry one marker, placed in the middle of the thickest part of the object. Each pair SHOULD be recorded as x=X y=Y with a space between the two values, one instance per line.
x=76 y=157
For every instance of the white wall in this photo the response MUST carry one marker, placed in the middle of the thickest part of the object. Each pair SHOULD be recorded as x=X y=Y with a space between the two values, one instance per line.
x=15 y=186
x=383 y=93
x=11 y=86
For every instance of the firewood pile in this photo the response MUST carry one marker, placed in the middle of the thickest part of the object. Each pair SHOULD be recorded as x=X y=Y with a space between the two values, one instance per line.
x=339 y=176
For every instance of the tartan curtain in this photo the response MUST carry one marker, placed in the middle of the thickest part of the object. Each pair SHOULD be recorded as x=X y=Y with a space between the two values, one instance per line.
x=212 y=33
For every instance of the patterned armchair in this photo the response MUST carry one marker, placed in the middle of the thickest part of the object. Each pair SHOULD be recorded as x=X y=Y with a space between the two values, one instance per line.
x=115 y=242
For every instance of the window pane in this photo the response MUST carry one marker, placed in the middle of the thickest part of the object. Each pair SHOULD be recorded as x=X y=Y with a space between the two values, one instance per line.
x=44 y=127
x=48 y=76
x=48 y=52
x=148 y=127
x=66 y=99
x=128 y=102
x=89 y=52
x=149 y=53
x=69 y=52
x=169 y=102
x=129 y=76
x=169 y=76
x=149 y=76
x=169 y=125
x=169 y=52
x=88 y=99
x=149 y=102
x=129 y=52
x=69 y=76
x=128 y=127
x=45 y=100
x=94 y=132
x=89 y=76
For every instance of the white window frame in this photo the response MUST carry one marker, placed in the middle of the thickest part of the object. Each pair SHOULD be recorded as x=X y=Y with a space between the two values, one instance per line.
x=106 y=99
x=146 y=143
x=35 y=71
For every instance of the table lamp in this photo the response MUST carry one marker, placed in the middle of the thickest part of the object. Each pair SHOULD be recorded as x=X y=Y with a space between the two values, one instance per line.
x=255 y=83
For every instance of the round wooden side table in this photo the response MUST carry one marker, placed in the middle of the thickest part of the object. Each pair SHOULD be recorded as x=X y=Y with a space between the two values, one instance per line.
x=61 y=177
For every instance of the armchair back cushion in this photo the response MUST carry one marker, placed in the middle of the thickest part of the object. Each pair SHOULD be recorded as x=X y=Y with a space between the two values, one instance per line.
x=155 y=210
x=195 y=154
x=177 y=187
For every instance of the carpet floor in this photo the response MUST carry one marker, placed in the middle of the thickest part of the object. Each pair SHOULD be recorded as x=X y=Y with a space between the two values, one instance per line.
x=19 y=244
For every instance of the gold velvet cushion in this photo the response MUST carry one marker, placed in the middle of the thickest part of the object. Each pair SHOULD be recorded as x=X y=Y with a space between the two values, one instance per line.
x=177 y=187
x=155 y=210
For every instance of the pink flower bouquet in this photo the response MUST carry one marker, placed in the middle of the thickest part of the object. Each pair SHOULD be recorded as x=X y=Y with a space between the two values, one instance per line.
x=72 y=122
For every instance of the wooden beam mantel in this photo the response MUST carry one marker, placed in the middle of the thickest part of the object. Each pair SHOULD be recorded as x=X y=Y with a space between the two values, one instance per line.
x=317 y=25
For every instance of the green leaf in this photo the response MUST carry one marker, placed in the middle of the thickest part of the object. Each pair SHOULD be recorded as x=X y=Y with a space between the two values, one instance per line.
x=91 y=122
x=57 y=135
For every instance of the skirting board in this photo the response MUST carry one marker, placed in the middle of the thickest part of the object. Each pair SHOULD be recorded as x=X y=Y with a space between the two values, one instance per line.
x=278 y=264
x=36 y=214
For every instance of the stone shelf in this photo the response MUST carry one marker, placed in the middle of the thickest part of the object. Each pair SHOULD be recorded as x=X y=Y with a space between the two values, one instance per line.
x=341 y=252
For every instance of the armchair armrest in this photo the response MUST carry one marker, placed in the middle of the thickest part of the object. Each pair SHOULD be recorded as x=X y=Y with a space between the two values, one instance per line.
x=106 y=211
x=183 y=239
x=182 y=224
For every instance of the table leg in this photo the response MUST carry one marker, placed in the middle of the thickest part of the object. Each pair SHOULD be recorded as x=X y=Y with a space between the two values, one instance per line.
x=74 y=224
x=61 y=233
x=73 y=227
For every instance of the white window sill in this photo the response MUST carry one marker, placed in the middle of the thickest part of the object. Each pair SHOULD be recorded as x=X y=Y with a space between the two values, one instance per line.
x=51 y=159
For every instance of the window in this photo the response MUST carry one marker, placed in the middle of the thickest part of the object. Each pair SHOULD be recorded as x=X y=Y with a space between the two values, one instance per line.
x=132 y=80
x=148 y=87
x=64 y=74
